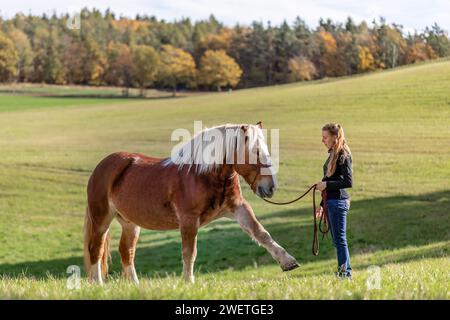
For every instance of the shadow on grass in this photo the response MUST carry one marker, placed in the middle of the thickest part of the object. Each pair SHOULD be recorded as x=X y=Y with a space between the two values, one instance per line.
x=374 y=225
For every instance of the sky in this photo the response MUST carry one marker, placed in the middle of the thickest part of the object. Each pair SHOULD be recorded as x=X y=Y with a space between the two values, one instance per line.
x=412 y=14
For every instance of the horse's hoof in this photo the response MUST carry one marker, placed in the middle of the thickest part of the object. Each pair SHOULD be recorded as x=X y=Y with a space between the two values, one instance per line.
x=290 y=266
x=190 y=280
x=96 y=282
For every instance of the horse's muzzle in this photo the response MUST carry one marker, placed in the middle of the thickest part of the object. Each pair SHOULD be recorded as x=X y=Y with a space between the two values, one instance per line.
x=265 y=192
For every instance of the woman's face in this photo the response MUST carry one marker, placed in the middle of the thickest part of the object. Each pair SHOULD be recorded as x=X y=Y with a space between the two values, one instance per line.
x=327 y=139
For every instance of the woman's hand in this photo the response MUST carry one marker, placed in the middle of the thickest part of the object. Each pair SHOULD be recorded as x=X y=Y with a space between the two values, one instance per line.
x=321 y=185
x=319 y=212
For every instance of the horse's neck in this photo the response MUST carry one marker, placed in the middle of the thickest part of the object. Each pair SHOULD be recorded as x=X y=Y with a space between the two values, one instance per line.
x=226 y=171
x=224 y=176
x=228 y=183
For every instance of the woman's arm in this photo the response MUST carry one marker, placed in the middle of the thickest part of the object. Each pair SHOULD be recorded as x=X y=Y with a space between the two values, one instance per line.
x=347 y=174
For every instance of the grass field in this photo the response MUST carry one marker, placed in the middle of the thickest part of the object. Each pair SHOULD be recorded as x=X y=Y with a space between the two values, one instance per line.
x=397 y=124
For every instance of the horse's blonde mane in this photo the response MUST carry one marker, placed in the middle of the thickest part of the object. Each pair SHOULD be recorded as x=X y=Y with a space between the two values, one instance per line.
x=224 y=140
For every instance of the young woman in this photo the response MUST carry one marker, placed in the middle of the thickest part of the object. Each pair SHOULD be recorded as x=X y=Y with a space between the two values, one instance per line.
x=337 y=172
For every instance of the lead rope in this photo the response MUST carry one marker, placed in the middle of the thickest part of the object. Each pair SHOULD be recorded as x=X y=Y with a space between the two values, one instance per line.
x=323 y=217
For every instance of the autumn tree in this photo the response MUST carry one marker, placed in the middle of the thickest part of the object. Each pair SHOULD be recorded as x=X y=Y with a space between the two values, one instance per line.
x=210 y=41
x=73 y=61
x=25 y=54
x=218 y=69
x=8 y=59
x=419 y=50
x=366 y=60
x=327 y=52
x=365 y=37
x=94 y=61
x=201 y=30
x=177 y=66
x=102 y=50
x=301 y=69
x=120 y=67
x=391 y=45
x=145 y=65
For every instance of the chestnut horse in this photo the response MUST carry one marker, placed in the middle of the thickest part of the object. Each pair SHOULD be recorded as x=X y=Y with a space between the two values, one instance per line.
x=184 y=191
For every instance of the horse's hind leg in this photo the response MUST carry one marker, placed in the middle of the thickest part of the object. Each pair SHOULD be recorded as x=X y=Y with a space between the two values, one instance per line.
x=97 y=242
x=127 y=248
x=248 y=222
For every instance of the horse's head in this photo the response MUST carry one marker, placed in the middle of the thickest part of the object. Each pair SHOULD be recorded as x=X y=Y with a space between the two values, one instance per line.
x=240 y=146
x=253 y=161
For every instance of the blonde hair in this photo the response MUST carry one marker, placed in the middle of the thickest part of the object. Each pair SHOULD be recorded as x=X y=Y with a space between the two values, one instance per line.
x=340 y=150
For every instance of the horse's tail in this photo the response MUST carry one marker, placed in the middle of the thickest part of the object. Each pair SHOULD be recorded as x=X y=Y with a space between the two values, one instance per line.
x=87 y=239
x=106 y=254
x=88 y=231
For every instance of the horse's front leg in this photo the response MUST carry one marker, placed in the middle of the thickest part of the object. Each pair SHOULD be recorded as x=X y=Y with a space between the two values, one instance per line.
x=189 y=230
x=246 y=218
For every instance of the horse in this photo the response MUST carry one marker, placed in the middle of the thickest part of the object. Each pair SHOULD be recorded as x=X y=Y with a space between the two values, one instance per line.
x=185 y=191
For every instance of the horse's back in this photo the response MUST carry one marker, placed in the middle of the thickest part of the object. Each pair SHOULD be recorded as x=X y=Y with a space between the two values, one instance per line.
x=109 y=171
x=142 y=191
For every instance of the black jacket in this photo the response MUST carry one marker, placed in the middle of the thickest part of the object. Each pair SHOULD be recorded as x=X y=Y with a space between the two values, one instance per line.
x=341 y=178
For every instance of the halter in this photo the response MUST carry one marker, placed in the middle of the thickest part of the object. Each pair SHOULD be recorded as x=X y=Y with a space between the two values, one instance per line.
x=259 y=166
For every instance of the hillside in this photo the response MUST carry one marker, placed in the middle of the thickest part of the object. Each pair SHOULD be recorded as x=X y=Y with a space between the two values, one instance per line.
x=397 y=124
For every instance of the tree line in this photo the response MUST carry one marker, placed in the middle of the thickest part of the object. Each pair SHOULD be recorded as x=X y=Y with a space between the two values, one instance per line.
x=145 y=52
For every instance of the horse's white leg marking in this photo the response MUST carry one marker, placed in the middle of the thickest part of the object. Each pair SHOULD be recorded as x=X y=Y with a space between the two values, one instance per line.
x=96 y=272
x=246 y=218
x=130 y=273
x=188 y=271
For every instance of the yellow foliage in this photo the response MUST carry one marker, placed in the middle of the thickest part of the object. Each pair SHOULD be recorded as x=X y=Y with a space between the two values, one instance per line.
x=145 y=64
x=328 y=41
x=133 y=25
x=218 y=69
x=327 y=57
x=8 y=59
x=366 y=60
x=177 y=66
x=220 y=41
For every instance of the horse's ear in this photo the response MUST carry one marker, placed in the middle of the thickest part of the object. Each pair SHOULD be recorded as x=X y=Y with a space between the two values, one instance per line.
x=259 y=124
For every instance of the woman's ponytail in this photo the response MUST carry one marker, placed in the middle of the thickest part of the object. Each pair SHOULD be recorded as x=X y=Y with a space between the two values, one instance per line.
x=340 y=150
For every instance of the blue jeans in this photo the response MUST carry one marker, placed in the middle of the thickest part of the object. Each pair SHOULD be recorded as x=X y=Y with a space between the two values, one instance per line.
x=337 y=215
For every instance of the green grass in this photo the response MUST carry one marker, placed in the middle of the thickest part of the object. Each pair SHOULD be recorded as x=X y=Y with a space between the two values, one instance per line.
x=22 y=103
x=397 y=124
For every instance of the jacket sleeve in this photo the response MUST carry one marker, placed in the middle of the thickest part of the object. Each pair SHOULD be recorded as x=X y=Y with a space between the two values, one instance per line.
x=347 y=175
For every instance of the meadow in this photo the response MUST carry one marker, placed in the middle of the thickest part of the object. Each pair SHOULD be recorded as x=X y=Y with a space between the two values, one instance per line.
x=397 y=124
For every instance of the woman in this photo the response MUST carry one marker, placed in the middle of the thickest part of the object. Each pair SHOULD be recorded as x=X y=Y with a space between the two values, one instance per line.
x=337 y=172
